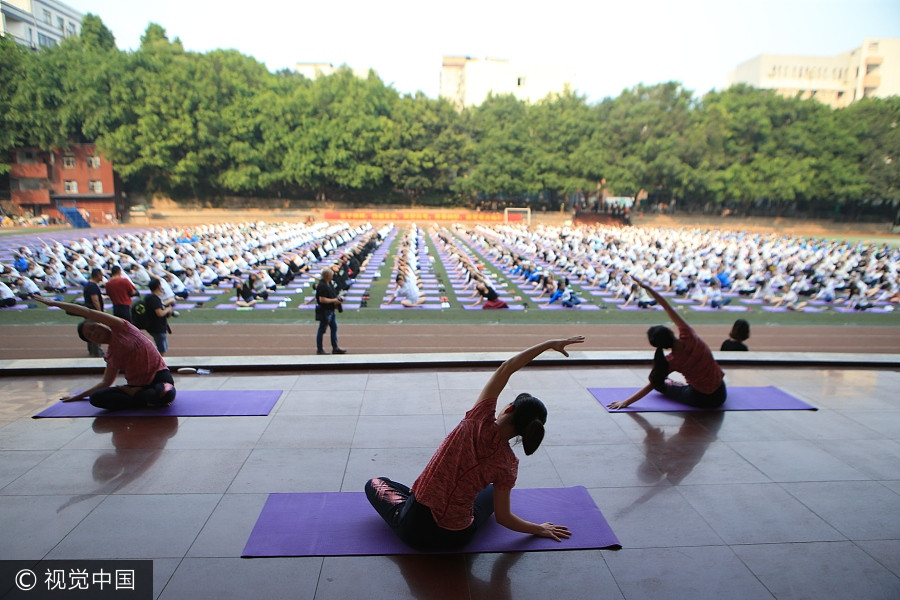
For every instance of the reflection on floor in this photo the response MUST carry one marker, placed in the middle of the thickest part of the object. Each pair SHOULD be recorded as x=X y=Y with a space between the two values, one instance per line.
x=706 y=505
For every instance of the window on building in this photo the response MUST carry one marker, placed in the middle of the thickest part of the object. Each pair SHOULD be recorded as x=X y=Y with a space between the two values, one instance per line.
x=93 y=162
x=45 y=41
x=520 y=81
x=95 y=186
x=70 y=29
x=68 y=161
x=26 y=157
x=71 y=186
x=60 y=23
x=29 y=184
x=48 y=18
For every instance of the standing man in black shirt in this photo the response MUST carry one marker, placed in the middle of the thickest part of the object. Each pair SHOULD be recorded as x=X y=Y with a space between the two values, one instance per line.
x=159 y=312
x=93 y=299
x=327 y=300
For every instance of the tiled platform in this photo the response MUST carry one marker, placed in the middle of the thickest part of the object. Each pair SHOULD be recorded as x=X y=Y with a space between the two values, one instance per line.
x=737 y=505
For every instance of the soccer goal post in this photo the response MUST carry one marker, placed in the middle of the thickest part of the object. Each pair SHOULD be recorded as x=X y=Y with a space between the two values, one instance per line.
x=517 y=215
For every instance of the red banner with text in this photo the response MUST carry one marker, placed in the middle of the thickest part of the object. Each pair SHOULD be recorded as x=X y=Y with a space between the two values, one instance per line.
x=398 y=215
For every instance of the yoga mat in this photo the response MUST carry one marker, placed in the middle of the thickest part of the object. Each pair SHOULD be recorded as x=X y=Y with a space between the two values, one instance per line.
x=726 y=308
x=783 y=309
x=739 y=398
x=515 y=306
x=426 y=306
x=874 y=309
x=345 y=524
x=582 y=306
x=188 y=403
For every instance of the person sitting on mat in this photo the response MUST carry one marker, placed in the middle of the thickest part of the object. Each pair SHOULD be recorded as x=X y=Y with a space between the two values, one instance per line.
x=690 y=356
x=408 y=291
x=148 y=381
x=473 y=471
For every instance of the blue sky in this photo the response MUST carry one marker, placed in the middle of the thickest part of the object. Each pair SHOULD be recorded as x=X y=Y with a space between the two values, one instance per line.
x=609 y=45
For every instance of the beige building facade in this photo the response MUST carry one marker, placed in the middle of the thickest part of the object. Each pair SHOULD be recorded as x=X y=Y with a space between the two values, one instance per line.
x=870 y=71
x=467 y=81
x=38 y=23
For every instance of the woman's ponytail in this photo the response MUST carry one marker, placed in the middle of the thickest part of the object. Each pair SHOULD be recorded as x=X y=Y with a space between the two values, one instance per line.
x=532 y=436
x=529 y=417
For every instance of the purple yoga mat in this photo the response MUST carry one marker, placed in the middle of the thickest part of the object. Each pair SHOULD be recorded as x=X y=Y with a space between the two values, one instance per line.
x=582 y=306
x=188 y=403
x=513 y=306
x=426 y=306
x=784 y=309
x=345 y=524
x=739 y=398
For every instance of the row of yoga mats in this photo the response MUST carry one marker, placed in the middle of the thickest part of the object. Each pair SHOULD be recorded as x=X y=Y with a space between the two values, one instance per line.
x=344 y=524
x=233 y=403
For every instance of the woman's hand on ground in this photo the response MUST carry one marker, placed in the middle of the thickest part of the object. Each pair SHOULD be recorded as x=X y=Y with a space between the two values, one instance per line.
x=555 y=532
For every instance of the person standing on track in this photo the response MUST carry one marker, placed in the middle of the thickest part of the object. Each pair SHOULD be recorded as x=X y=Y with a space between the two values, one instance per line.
x=120 y=291
x=327 y=301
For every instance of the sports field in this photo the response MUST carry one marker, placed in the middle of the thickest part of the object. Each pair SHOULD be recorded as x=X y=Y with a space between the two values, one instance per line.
x=211 y=324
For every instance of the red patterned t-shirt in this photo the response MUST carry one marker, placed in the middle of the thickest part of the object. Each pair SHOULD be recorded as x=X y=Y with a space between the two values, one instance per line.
x=473 y=456
x=133 y=353
x=695 y=361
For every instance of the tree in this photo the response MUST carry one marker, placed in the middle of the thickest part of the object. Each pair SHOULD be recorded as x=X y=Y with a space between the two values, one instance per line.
x=875 y=125
x=95 y=35
x=503 y=147
x=13 y=61
x=426 y=146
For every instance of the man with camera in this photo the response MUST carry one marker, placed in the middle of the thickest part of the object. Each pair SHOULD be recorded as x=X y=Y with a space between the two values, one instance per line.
x=327 y=301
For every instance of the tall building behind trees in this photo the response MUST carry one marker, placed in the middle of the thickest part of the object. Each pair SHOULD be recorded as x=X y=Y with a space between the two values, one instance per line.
x=38 y=23
x=467 y=81
x=870 y=71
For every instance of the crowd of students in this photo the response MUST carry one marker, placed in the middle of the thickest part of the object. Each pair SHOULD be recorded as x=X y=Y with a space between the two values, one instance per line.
x=710 y=267
x=706 y=265
x=253 y=257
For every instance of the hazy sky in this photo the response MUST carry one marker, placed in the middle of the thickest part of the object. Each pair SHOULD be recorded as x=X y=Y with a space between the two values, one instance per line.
x=609 y=45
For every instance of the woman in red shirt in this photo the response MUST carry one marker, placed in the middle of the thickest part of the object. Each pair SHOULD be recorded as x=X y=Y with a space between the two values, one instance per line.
x=690 y=356
x=148 y=382
x=471 y=474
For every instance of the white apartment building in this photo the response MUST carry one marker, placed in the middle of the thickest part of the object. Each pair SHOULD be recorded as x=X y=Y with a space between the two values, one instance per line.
x=38 y=23
x=467 y=81
x=869 y=71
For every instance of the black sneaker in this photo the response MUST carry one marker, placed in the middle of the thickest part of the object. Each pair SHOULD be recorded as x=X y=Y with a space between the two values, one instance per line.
x=320 y=351
x=339 y=351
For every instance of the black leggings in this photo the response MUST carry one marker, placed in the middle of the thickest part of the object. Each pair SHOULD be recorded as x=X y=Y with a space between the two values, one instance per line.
x=685 y=394
x=115 y=398
x=413 y=522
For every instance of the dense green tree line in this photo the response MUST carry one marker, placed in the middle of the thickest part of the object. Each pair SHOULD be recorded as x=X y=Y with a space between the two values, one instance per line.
x=206 y=126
